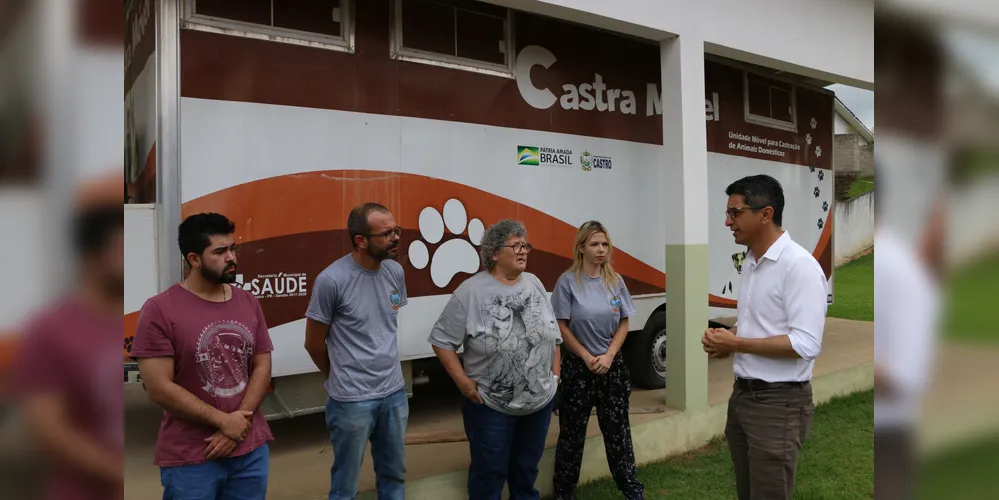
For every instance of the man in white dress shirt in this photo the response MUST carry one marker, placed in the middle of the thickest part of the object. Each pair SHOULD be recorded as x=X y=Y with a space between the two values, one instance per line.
x=781 y=317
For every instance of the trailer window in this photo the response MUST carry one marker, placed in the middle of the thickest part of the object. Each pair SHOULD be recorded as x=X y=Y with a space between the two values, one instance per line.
x=770 y=102
x=316 y=23
x=460 y=34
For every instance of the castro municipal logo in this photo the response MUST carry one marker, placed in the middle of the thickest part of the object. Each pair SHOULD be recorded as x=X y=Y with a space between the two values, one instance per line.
x=586 y=161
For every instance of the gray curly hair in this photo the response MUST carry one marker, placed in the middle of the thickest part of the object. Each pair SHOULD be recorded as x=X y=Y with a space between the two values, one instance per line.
x=495 y=237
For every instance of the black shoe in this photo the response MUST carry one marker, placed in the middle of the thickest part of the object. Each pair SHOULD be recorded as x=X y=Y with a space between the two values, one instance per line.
x=565 y=496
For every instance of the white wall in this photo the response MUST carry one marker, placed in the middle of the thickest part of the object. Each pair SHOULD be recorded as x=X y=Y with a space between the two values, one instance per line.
x=841 y=126
x=854 y=227
x=832 y=40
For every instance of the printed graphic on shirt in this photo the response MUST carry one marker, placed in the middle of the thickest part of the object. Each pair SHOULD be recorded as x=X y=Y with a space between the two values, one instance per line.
x=396 y=299
x=223 y=354
x=616 y=303
x=514 y=329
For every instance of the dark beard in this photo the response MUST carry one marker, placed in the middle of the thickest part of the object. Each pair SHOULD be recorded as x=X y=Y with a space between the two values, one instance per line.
x=219 y=278
x=381 y=254
x=113 y=286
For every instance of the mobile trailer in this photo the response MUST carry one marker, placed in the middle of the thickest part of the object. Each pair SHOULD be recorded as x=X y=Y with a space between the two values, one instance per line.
x=454 y=114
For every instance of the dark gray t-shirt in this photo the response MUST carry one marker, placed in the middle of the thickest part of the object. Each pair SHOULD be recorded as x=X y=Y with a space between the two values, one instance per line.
x=593 y=311
x=509 y=334
x=362 y=309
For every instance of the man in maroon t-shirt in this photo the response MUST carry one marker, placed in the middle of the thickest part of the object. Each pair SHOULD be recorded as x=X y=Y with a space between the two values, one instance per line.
x=204 y=356
x=67 y=376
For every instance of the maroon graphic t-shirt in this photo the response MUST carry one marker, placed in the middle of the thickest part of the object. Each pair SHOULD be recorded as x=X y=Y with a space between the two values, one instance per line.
x=74 y=351
x=212 y=344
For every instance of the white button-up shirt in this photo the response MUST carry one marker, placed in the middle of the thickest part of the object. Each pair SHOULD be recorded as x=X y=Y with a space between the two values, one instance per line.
x=782 y=293
x=907 y=305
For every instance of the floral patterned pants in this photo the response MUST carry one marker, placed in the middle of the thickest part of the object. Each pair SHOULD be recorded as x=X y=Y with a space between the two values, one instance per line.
x=580 y=391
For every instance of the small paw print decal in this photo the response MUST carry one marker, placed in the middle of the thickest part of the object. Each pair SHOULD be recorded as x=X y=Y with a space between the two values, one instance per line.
x=816 y=191
x=811 y=169
x=808 y=139
x=128 y=343
x=822 y=175
x=454 y=256
x=818 y=151
x=820 y=223
x=814 y=123
x=825 y=206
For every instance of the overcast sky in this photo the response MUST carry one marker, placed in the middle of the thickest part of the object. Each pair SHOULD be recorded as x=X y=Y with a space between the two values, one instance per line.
x=860 y=101
x=978 y=52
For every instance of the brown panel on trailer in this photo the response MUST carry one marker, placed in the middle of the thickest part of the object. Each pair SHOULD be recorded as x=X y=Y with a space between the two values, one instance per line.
x=215 y=66
x=729 y=132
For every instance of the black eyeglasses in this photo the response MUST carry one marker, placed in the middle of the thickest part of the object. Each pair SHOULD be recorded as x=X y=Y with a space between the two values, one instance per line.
x=732 y=213
x=385 y=234
x=519 y=247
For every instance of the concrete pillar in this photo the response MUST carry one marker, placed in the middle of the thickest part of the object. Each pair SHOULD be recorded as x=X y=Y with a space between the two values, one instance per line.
x=686 y=189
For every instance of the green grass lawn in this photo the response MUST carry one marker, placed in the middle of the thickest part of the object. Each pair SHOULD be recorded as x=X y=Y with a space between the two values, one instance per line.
x=853 y=289
x=966 y=472
x=860 y=185
x=837 y=461
x=969 y=301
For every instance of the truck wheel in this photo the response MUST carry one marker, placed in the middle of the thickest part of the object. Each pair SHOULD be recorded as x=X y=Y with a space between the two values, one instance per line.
x=645 y=353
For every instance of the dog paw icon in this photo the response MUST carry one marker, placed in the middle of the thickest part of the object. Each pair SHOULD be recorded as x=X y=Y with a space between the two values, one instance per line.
x=820 y=223
x=814 y=123
x=821 y=175
x=808 y=139
x=825 y=206
x=818 y=151
x=456 y=255
x=811 y=169
x=816 y=191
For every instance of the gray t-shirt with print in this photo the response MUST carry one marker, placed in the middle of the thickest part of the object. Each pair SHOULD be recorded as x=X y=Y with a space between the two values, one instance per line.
x=593 y=311
x=362 y=309
x=509 y=334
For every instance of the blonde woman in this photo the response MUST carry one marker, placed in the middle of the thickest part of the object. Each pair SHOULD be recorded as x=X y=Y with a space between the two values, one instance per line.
x=592 y=306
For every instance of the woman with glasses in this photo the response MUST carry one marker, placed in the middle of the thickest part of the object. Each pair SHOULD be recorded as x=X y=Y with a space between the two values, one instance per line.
x=504 y=321
x=592 y=305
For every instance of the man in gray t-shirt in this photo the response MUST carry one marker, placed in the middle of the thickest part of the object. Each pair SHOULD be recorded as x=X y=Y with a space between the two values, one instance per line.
x=351 y=335
x=510 y=337
x=362 y=308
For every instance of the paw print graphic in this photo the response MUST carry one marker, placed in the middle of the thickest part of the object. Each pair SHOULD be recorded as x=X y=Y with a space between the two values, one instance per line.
x=457 y=255
x=811 y=169
x=820 y=223
x=825 y=206
x=821 y=175
x=814 y=123
x=816 y=191
x=818 y=151
x=128 y=343
x=808 y=139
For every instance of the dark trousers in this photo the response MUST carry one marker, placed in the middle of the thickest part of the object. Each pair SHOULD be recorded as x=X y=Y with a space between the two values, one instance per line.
x=767 y=424
x=895 y=464
x=580 y=391
x=504 y=450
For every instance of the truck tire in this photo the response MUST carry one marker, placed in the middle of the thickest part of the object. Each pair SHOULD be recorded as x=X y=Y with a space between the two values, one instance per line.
x=645 y=353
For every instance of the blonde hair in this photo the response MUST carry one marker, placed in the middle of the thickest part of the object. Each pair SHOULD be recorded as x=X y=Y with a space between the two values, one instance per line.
x=586 y=231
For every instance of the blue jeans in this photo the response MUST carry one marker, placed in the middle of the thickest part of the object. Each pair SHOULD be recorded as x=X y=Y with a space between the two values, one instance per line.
x=504 y=449
x=233 y=478
x=351 y=425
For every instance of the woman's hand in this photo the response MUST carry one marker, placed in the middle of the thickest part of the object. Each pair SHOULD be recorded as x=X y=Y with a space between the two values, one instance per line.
x=470 y=390
x=601 y=364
